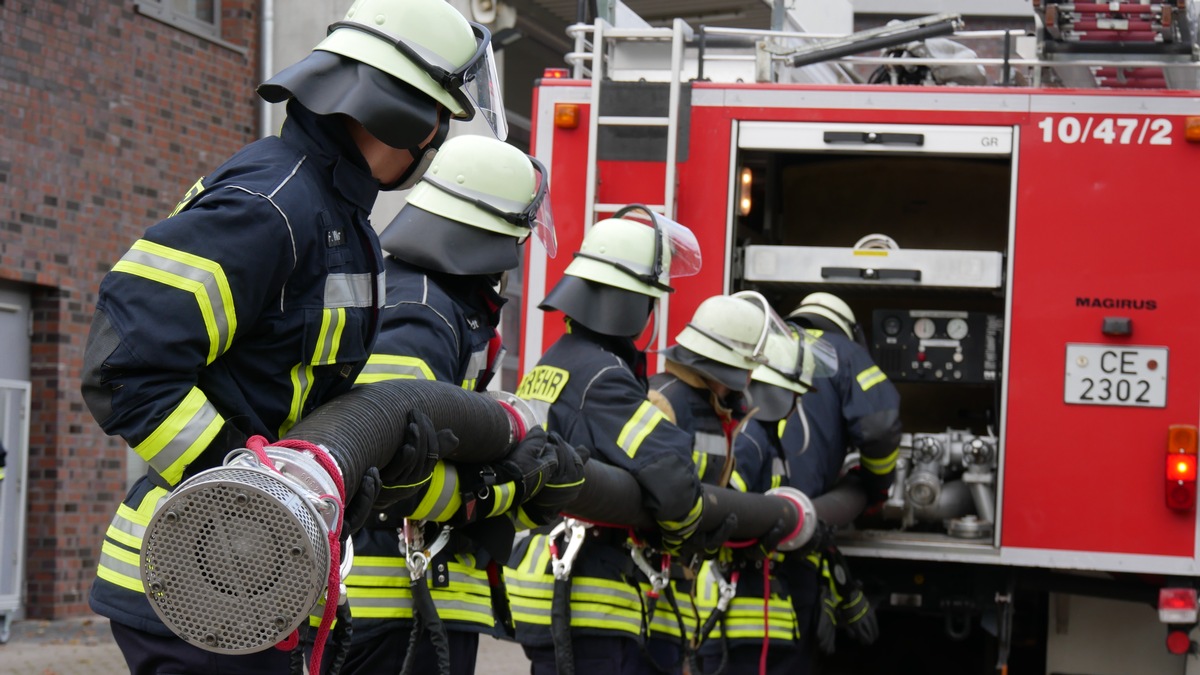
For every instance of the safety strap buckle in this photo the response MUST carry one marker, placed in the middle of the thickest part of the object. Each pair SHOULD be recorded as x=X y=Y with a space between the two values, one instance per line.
x=574 y=531
x=416 y=555
x=726 y=589
x=658 y=578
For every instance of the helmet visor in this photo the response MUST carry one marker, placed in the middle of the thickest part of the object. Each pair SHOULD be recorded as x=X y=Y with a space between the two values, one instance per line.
x=685 y=250
x=474 y=85
x=536 y=215
x=815 y=358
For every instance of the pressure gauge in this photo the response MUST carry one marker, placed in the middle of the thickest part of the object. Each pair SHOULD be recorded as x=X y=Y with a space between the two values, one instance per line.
x=891 y=326
x=923 y=328
x=956 y=329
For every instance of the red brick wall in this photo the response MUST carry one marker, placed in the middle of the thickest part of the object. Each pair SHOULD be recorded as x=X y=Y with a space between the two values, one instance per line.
x=109 y=116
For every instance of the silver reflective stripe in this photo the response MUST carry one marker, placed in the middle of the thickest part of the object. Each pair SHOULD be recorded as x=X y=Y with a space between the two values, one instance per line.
x=183 y=440
x=210 y=282
x=449 y=490
x=385 y=571
x=477 y=364
x=120 y=566
x=712 y=444
x=349 y=290
x=541 y=409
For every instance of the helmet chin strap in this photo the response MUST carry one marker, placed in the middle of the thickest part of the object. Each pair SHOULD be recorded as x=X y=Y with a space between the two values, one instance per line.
x=423 y=157
x=652 y=318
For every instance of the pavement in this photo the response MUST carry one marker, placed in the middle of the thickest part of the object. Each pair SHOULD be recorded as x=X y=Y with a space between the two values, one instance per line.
x=84 y=646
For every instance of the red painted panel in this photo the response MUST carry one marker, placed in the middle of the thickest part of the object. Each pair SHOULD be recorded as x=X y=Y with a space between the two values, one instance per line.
x=1108 y=221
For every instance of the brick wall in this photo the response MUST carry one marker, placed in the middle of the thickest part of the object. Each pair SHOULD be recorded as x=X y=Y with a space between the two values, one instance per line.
x=108 y=117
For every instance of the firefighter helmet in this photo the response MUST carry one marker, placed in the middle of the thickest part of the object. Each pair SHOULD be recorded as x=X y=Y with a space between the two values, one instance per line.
x=389 y=63
x=723 y=340
x=474 y=207
x=622 y=267
x=826 y=311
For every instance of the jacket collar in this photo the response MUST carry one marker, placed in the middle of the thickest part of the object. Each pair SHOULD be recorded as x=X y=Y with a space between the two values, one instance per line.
x=325 y=139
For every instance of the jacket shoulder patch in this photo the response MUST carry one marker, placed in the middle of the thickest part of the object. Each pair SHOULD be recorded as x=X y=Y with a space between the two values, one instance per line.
x=543 y=383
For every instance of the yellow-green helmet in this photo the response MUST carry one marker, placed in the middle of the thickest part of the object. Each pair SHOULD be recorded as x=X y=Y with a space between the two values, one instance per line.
x=828 y=307
x=725 y=329
x=479 y=200
x=623 y=265
x=389 y=63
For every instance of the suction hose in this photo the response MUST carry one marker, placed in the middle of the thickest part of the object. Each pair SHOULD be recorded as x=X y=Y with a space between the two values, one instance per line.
x=236 y=556
x=613 y=496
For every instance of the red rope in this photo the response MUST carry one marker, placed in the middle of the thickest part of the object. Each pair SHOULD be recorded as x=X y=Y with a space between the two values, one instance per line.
x=333 y=584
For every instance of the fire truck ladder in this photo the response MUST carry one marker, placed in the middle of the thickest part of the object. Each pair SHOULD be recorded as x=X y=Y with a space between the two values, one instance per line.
x=604 y=37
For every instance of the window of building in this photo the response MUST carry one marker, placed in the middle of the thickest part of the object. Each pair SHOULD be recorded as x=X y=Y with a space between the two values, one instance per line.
x=199 y=17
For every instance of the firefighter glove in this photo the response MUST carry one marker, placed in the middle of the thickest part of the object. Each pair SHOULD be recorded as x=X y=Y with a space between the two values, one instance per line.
x=675 y=532
x=565 y=484
x=409 y=470
x=708 y=544
x=359 y=506
x=843 y=605
x=528 y=464
x=767 y=543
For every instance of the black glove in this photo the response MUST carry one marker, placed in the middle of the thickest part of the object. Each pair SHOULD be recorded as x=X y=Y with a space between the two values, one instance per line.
x=529 y=464
x=767 y=543
x=708 y=544
x=564 y=485
x=875 y=486
x=411 y=467
x=361 y=504
x=843 y=604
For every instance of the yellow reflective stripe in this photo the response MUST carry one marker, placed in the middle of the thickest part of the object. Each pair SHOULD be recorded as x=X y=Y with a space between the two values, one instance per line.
x=120 y=567
x=776 y=480
x=302 y=379
x=739 y=484
x=441 y=498
x=882 y=465
x=191 y=273
x=382 y=367
x=329 y=339
x=700 y=459
x=506 y=493
x=183 y=435
x=469 y=385
x=638 y=427
x=870 y=377
x=690 y=519
x=188 y=196
x=522 y=519
x=782 y=426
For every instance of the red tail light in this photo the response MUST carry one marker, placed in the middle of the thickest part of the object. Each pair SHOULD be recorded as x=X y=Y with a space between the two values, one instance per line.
x=1181 y=467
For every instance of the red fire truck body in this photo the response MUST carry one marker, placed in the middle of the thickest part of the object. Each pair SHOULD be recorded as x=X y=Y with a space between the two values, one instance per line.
x=1036 y=297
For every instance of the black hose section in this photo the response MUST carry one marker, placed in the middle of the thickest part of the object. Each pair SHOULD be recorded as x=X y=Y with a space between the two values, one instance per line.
x=343 y=633
x=363 y=427
x=560 y=627
x=697 y=668
x=296 y=660
x=842 y=504
x=426 y=620
x=612 y=496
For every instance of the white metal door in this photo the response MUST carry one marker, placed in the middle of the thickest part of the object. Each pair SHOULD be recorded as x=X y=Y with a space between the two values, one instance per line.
x=14 y=434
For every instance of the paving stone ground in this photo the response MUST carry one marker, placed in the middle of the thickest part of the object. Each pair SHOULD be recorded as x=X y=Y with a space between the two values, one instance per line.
x=85 y=647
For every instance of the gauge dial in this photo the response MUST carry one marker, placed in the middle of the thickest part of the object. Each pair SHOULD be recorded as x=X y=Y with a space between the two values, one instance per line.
x=956 y=329
x=923 y=328
x=891 y=326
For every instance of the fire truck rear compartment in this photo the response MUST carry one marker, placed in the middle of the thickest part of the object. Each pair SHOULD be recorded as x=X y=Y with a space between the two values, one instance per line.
x=954 y=206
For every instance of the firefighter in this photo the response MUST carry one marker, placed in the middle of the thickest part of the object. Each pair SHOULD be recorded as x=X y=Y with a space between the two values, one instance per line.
x=460 y=230
x=712 y=376
x=592 y=386
x=760 y=613
x=257 y=299
x=858 y=408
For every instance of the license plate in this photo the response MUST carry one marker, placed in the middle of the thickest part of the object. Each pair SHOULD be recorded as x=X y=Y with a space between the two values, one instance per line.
x=1112 y=375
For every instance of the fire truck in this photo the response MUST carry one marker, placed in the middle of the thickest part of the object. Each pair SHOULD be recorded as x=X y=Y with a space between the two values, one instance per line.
x=1015 y=234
